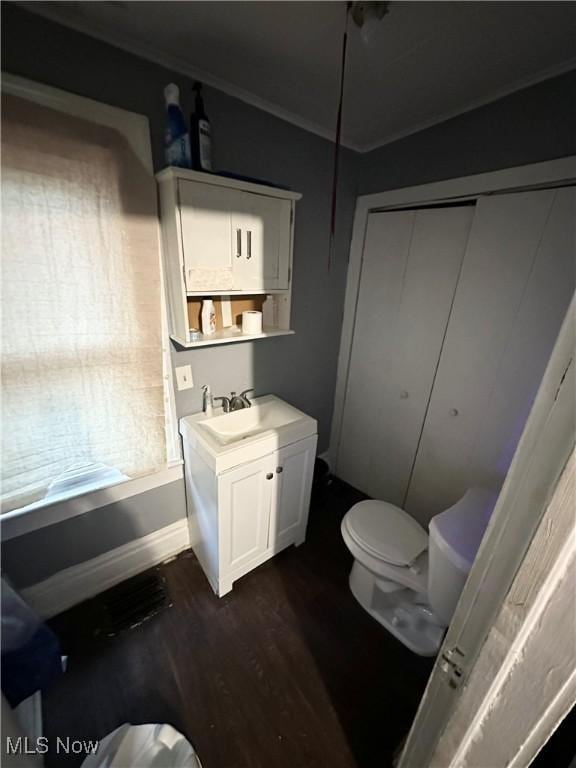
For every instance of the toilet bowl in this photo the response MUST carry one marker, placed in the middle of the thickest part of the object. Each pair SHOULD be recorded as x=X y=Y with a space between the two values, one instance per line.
x=406 y=579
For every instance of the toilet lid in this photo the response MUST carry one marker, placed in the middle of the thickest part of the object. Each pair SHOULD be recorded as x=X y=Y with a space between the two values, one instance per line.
x=386 y=531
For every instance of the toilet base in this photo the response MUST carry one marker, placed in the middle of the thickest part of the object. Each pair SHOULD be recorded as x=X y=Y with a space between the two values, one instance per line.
x=403 y=612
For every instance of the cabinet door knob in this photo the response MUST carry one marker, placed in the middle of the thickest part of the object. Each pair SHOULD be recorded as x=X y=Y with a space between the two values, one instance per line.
x=269 y=475
x=404 y=395
x=238 y=243
x=454 y=411
x=279 y=469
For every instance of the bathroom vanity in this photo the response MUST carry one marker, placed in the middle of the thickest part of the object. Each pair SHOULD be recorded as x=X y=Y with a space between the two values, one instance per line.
x=248 y=485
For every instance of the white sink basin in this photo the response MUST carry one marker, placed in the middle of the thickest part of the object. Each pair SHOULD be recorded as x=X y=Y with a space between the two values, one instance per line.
x=226 y=439
x=261 y=417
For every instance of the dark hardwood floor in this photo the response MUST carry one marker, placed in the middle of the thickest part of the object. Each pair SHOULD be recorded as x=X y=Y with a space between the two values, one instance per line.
x=287 y=670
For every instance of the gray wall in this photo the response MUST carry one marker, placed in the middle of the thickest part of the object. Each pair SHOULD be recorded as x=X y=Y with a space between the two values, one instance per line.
x=300 y=368
x=35 y=556
x=529 y=126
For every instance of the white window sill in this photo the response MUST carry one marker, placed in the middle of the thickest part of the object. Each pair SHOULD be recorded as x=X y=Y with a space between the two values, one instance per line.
x=21 y=521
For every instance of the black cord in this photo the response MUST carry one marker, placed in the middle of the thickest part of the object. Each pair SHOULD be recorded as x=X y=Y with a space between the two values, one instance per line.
x=337 y=146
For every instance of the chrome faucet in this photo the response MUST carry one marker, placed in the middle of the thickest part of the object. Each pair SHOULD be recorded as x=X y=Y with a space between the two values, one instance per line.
x=235 y=402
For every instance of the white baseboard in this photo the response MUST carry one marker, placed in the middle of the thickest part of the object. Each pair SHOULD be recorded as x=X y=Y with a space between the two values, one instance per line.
x=80 y=582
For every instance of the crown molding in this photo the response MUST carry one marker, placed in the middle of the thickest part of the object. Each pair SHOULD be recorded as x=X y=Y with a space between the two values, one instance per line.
x=182 y=67
x=518 y=85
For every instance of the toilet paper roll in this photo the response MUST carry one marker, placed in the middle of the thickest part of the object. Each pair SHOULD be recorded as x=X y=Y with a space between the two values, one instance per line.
x=251 y=322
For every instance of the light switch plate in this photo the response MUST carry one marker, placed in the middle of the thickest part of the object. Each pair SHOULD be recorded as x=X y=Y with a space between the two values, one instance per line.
x=184 y=377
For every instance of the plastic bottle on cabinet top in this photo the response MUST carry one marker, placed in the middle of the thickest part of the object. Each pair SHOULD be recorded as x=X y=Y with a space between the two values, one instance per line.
x=176 y=136
x=201 y=134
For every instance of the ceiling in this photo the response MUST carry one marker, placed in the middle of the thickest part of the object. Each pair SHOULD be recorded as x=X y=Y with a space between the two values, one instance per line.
x=425 y=63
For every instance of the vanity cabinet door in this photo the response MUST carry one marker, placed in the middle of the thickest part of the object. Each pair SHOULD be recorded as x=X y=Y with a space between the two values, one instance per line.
x=293 y=469
x=244 y=497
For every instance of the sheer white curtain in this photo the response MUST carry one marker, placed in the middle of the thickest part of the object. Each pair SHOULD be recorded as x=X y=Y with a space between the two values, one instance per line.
x=82 y=378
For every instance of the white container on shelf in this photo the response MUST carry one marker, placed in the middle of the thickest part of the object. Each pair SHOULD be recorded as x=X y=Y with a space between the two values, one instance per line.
x=208 y=317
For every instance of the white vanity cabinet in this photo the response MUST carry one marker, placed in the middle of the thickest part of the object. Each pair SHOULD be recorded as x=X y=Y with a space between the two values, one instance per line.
x=250 y=499
x=228 y=238
x=263 y=508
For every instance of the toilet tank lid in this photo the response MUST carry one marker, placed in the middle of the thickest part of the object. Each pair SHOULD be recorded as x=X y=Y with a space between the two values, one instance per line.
x=458 y=530
x=386 y=531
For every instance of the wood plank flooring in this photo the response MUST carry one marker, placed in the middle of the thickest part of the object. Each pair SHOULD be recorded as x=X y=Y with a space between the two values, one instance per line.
x=287 y=670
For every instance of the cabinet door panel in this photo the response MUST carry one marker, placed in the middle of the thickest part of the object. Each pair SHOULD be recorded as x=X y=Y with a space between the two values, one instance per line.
x=516 y=283
x=245 y=496
x=411 y=263
x=206 y=236
x=265 y=225
x=291 y=496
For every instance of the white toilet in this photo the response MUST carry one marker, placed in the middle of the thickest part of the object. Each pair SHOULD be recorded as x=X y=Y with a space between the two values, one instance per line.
x=409 y=581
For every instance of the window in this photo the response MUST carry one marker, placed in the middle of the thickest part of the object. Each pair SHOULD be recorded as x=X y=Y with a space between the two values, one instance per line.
x=83 y=385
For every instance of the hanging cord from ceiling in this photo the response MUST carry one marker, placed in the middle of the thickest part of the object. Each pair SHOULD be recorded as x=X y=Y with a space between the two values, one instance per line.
x=337 y=143
x=361 y=13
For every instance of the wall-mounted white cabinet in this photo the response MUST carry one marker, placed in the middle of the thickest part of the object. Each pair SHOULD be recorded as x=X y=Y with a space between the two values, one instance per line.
x=225 y=237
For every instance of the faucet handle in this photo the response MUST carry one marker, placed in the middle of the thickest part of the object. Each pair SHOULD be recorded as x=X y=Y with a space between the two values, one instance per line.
x=225 y=403
x=243 y=396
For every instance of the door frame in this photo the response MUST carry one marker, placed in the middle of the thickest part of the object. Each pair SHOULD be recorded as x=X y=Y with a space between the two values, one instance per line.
x=552 y=172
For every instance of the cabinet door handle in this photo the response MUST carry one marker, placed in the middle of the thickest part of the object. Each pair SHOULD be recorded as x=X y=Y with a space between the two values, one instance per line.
x=279 y=469
x=249 y=244
x=238 y=243
x=269 y=475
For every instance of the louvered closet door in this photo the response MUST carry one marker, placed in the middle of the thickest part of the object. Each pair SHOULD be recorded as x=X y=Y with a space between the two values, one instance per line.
x=410 y=269
x=516 y=283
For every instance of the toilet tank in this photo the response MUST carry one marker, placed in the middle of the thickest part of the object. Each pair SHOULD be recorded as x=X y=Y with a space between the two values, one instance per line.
x=455 y=537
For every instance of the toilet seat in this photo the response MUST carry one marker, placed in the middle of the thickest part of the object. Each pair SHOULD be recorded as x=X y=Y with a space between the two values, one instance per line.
x=386 y=532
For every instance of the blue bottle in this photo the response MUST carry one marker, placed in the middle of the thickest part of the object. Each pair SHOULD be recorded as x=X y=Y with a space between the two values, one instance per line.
x=176 y=137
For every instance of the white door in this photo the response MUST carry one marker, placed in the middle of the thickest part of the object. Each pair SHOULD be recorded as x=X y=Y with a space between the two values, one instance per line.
x=294 y=466
x=516 y=283
x=410 y=269
x=207 y=238
x=542 y=453
x=245 y=495
x=262 y=227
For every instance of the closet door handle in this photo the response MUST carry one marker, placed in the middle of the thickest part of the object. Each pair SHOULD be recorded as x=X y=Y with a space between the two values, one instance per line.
x=269 y=475
x=238 y=243
x=249 y=244
x=279 y=469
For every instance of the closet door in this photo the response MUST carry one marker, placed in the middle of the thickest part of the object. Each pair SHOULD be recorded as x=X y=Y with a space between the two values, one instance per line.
x=410 y=268
x=516 y=283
